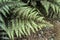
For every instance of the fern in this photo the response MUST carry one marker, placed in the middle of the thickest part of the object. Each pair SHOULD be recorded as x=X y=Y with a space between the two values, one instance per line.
x=25 y=19
x=18 y=18
x=45 y=5
x=54 y=5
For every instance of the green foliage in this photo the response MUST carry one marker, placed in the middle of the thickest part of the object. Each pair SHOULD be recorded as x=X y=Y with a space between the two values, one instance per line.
x=55 y=6
x=17 y=17
x=49 y=7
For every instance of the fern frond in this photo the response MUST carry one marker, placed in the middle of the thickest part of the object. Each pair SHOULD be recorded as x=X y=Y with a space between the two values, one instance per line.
x=26 y=17
x=23 y=19
x=55 y=6
x=7 y=6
